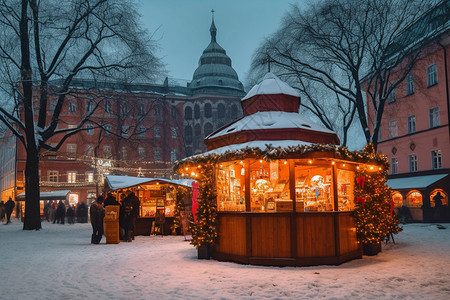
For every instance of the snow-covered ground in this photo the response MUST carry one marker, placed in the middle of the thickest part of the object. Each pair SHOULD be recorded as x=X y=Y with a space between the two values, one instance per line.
x=58 y=262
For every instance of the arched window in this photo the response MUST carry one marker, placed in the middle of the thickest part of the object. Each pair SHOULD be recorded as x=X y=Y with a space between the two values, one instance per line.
x=234 y=112
x=208 y=110
x=436 y=195
x=108 y=107
x=72 y=106
x=188 y=113
x=208 y=129
x=197 y=111
x=221 y=111
x=398 y=199
x=188 y=134
x=414 y=199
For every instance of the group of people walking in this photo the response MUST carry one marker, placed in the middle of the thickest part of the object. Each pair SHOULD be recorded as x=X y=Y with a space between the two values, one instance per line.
x=6 y=209
x=57 y=212
x=129 y=211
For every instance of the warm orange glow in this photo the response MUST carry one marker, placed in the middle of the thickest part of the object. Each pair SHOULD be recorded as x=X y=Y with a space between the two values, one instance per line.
x=310 y=161
x=371 y=167
x=332 y=162
x=285 y=162
x=260 y=160
x=343 y=165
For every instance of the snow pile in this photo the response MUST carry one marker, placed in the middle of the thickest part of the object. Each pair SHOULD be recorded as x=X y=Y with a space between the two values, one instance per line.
x=59 y=262
x=271 y=85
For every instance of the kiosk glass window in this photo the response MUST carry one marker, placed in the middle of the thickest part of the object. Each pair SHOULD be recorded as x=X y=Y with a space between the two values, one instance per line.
x=345 y=186
x=313 y=187
x=438 y=196
x=269 y=186
x=230 y=186
x=398 y=199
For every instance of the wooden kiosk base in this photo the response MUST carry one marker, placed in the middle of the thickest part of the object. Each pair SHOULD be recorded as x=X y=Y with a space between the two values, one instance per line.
x=287 y=239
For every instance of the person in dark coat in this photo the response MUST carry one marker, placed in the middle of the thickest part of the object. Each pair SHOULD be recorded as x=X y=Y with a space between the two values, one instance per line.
x=82 y=212
x=127 y=218
x=47 y=208
x=60 y=213
x=110 y=200
x=9 y=206
x=135 y=212
x=97 y=213
x=2 y=211
x=71 y=214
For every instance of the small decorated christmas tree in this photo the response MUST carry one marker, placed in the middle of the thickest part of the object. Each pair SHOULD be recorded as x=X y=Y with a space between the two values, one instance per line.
x=204 y=229
x=374 y=211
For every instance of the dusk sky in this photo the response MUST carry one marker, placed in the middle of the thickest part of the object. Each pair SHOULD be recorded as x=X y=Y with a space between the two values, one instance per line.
x=182 y=29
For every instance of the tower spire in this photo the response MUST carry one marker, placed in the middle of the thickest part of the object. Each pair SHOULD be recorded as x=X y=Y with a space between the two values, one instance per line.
x=213 y=29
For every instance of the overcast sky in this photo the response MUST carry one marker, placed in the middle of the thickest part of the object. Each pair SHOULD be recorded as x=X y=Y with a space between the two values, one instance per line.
x=182 y=29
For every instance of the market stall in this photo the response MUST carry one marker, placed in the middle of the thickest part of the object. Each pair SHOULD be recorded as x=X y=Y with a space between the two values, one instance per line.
x=157 y=197
x=283 y=188
x=45 y=196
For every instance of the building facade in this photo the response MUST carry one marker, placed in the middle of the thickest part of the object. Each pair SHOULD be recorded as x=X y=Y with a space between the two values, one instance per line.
x=415 y=132
x=133 y=129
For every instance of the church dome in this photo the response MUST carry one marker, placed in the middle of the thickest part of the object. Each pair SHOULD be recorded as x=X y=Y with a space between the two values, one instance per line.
x=214 y=74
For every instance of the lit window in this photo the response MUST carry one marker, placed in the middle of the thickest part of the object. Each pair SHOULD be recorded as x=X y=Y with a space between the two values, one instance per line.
x=412 y=124
x=436 y=159
x=393 y=132
x=432 y=78
x=412 y=163
x=394 y=165
x=89 y=176
x=410 y=85
x=414 y=199
x=71 y=126
x=90 y=129
x=71 y=177
x=434 y=117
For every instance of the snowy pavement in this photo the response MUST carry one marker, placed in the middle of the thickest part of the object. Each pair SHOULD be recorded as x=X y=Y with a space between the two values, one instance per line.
x=58 y=262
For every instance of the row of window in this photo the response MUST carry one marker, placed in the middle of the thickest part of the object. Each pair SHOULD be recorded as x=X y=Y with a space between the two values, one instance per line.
x=433 y=121
x=432 y=79
x=414 y=198
x=124 y=108
x=436 y=162
x=207 y=111
x=125 y=131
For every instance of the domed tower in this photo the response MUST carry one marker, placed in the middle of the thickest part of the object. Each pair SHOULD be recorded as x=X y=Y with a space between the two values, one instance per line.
x=214 y=74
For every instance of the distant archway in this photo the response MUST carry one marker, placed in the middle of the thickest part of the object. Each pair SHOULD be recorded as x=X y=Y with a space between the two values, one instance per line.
x=442 y=196
x=414 y=199
x=398 y=199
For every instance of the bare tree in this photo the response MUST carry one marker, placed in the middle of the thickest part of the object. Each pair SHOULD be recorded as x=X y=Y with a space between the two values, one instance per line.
x=345 y=46
x=44 y=40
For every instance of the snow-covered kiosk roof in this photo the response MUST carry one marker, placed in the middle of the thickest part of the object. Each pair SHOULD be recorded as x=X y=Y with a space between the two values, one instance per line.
x=271 y=114
x=117 y=182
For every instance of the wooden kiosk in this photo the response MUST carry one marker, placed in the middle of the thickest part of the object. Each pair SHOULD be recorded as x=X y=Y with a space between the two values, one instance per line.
x=157 y=197
x=284 y=189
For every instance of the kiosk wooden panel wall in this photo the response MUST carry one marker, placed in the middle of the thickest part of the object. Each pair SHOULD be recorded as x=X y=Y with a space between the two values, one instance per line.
x=271 y=235
x=232 y=234
x=347 y=233
x=315 y=235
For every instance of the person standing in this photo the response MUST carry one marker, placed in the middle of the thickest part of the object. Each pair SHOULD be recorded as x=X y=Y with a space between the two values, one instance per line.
x=135 y=212
x=2 y=211
x=97 y=213
x=127 y=218
x=110 y=200
x=47 y=208
x=71 y=214
x=60 y=213
x=9 y=206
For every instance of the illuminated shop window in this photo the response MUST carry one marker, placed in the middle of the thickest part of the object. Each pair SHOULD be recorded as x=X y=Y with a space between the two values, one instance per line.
x=269 y=186
x=345 y=186
x=414 y=199
x=230 y=186
x=398 y=199
x=438 y=195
